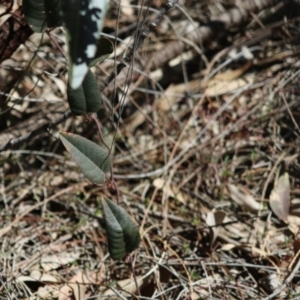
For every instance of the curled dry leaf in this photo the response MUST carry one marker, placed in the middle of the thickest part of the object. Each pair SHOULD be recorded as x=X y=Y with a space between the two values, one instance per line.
x=128 y=286
x=215 y=218
x=55 y=261
x=196 y=296
x=37 y=276
x=228 y=247
x=243 y=198
x=293 y=224
x=47 y=292
x=280 y=198
x=76 y=287
x=220 y=87
x=170 y=190
x=222 y=83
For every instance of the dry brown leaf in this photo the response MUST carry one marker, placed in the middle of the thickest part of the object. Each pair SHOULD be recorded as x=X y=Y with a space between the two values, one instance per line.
x=293 y=224
x=49 y=95
x=169 y=98
x=37 y=276
x=47 y=292
x=257 y=252
x=127 y=8
x=128 y=286
x=244 y=199
x=57 y=260
x=135 y=120
x=195 y=296
x=170 y=190
x=147 y=146
x=280 y=198
x=215 y=218
x=78 y=284
x=222 y=83
x=288 y=160
x=220 y=87
x=228 y=247
x=60 y=84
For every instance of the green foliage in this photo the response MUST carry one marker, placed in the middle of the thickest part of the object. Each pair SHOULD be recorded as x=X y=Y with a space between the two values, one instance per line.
x=195 y=222
x=42 y=14
x=93 y=160
x=122 y=234
x=86 y=98
x=83 y=22
x=253 y=155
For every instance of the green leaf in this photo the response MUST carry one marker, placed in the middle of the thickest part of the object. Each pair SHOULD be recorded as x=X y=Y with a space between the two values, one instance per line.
x=122 y=234
x=93 y=160
x=76 y=101
x=91 y=92
x=104 y=49
x=86 y=98
x=83 y=20
x=42 y=14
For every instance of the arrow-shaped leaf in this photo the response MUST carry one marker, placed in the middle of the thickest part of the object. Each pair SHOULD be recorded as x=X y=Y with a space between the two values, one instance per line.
x=122 y=233
x=93 y=160
x=76 y=100
x=86 y=98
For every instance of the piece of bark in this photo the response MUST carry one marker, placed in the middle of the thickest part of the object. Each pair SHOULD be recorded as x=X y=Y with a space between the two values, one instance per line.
x=13 y=32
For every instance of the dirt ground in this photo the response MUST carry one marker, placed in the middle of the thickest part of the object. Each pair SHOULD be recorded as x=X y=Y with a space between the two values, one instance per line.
x=204 y=122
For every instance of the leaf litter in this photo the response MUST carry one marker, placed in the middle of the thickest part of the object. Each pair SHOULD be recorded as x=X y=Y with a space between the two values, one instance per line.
x=206 y=222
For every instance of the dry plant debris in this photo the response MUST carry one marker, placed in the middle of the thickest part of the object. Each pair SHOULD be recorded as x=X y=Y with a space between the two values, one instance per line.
x=206 y=157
